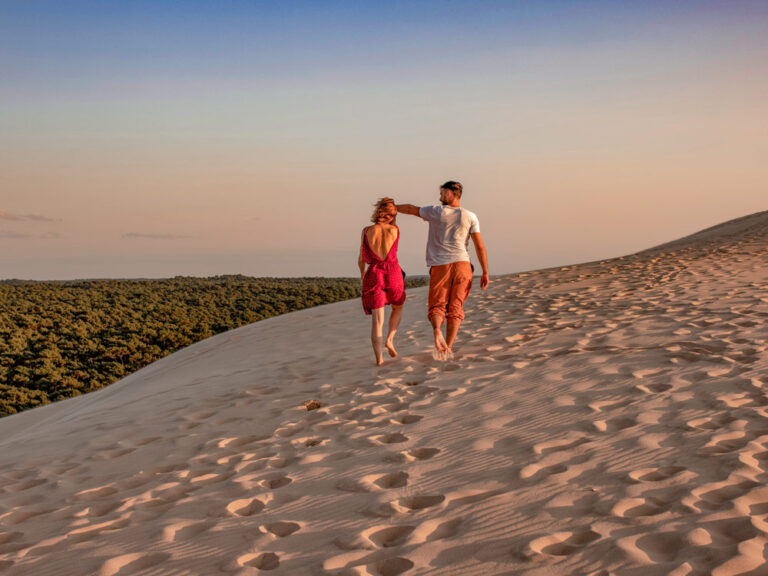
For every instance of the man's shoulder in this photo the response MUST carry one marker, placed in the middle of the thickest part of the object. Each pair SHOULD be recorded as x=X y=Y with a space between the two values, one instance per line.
x=471 y=215
x=430 y=211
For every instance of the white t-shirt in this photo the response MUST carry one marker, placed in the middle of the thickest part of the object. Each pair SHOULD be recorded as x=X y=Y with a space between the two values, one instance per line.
x=449 y=230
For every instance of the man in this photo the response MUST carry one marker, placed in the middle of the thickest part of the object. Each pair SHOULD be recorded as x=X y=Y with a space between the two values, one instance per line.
x=450 y=272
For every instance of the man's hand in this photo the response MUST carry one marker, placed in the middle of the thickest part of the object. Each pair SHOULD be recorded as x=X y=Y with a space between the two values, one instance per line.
x=477 y=240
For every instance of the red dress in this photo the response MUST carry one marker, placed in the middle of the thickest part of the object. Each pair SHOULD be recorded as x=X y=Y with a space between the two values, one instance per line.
x=383 y=282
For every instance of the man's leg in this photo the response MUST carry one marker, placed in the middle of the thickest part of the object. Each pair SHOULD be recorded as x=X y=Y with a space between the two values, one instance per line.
x=394 y=323
x=439 y=289
x=451 y=330
x=377 y=325
x=460 y=287
x=437 y=331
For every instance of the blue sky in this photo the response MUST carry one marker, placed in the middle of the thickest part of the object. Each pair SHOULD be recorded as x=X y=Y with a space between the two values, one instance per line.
x=163 y=138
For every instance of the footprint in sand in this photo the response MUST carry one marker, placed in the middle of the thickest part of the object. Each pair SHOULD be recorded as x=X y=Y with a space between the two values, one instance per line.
x=415 y=503
x=263 y=561
x=573 y=503
x=406 y=419
x=94 y=494
x=393 y=567
x=411 y=455
x=24 y=485
x=600 y=405
x=716 y=422
x=395 y=407
x=204 y=479
x=538 y=470
x=615 y=424
x=250 y=466
x=382 y=510
x=282 y=529
x=718 y=495
x=245 y=507
x=185 y=530
x=423 y=453
x=654 y=388
x=464 y=497
x=564 y=543
x=276 y=482
x=112 y=454
x=282 y=461
x=725 y=443
x=310 y=442
x=354 y=486
x=655 y=474
x=132 y=563
x=557 y=445
x=239 y=442
x=388 y=536
x=24 y=514
x=389 y=481
x=395 y=438
x=438 y=529
x=637 y=507
x=347 y=544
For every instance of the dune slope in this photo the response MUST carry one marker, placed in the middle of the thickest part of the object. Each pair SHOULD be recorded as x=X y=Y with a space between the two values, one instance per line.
x=605 y=418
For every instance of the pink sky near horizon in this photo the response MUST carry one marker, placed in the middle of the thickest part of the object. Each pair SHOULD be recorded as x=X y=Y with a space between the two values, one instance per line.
x=567 y=154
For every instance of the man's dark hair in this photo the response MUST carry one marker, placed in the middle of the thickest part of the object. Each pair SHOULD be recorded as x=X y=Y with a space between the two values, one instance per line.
x=454 y=187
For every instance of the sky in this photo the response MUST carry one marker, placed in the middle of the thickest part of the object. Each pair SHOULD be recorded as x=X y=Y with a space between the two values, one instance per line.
x=163 y=138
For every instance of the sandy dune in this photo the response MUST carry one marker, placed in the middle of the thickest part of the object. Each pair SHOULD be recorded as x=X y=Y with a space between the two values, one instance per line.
x=605 y=418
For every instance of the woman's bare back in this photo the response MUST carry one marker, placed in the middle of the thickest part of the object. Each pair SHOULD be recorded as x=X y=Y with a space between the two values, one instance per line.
x=381 y=237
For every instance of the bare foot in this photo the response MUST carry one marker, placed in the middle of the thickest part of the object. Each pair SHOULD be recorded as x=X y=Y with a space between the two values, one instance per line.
x=440 y=344
x=391 y=349
x=376 y=341
x=443 y=356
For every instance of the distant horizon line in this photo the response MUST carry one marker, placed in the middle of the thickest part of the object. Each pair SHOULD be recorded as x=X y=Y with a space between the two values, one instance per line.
x=181 y=276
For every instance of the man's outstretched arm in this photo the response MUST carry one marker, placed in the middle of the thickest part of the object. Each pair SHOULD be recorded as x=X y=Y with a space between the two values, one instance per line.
x=477 y=240
x=407 y=209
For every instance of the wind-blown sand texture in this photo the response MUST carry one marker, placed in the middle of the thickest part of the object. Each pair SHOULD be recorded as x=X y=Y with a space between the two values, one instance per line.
x=605 y=418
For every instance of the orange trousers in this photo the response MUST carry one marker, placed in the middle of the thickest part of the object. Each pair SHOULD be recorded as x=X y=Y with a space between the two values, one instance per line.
x=449 y=286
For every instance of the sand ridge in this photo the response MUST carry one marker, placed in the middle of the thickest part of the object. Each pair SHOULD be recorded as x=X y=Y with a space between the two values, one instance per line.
x=605 y=418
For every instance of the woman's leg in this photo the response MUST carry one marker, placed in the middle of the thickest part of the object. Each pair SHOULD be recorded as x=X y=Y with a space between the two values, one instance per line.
x=377 y=326
x=394 y=323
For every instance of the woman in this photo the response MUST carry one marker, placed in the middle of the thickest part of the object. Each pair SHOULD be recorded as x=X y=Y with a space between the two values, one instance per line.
x=383 y=281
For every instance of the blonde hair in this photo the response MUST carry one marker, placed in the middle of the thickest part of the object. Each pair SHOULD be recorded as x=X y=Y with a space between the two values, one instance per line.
x=381 y=214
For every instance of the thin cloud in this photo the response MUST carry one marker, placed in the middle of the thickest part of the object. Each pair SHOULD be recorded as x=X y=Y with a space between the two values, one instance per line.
x=39 y=218
x=26 y=217
x=15 y=235
x=155 y=236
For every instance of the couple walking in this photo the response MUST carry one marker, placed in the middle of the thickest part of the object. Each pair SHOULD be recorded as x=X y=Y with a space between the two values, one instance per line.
x=450 y=271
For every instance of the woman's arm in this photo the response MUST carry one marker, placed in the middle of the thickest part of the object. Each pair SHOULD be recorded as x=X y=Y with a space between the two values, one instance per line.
x=361 y=264
x=360 y=261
